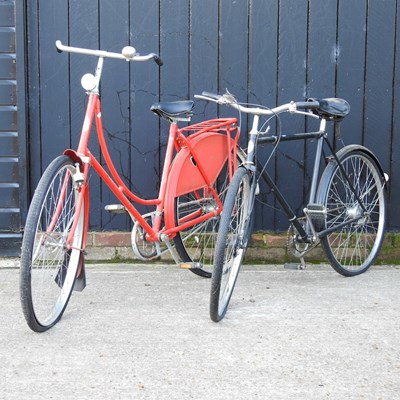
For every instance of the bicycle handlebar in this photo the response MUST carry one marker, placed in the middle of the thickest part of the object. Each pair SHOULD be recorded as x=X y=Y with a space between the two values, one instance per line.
x=229 y=99
x=209 y=95
x=128 y=53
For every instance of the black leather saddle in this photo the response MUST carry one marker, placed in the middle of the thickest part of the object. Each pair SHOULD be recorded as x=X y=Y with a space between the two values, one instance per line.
x=333 y=109
x=173 y=109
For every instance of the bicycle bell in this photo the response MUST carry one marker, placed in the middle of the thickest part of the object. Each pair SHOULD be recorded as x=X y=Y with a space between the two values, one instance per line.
x=128 y=51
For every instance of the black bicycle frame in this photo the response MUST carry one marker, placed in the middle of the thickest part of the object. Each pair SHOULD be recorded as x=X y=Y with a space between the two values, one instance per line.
x=322 y=138
x=320 y=135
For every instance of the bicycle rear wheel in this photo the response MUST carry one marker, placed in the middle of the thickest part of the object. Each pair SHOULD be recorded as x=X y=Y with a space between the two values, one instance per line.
x=233 y=235
x=352 y=247
x=196 y=244
x=48 y=267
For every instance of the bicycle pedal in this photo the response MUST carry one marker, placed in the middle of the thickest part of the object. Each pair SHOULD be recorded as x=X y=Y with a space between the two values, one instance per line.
x=294 y=266
x=115 y=208
x=190 y=265
x=316 y=211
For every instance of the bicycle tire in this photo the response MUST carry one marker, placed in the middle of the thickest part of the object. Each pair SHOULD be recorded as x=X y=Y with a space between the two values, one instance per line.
x=48 y=269
x=233 y=236
x=197 y=243
x=351 y=249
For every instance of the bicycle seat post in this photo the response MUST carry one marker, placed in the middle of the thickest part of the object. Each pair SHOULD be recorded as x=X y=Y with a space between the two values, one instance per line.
x=252 y=144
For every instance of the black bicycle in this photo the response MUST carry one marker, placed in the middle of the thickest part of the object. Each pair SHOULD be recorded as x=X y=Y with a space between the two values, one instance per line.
x=346 y=208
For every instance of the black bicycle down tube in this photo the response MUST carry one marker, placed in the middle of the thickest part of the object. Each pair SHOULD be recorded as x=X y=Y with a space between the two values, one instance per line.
x=282 y=201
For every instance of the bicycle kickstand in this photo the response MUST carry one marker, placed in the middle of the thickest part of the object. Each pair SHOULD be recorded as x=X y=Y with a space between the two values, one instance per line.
x=172 y=250
x=182 y=264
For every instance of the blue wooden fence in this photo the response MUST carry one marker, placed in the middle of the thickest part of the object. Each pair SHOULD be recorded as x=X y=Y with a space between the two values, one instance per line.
x=263 y=51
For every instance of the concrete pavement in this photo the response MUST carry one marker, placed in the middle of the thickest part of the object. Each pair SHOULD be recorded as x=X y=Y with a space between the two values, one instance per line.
x=143 y=332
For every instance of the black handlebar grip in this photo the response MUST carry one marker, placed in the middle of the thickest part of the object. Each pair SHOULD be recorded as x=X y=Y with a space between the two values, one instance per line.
x=158 y=60
x=307 y=105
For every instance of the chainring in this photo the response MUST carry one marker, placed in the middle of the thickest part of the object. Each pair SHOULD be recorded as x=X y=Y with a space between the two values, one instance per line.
x=296 y=246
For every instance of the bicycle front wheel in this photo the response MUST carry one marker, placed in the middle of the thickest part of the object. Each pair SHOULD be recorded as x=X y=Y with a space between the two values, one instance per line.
x=48 y=266
x=196 y=244
x=233 y=235
x=355 y=200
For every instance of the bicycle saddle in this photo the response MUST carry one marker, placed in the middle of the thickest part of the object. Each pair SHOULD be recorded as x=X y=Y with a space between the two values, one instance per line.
x=334 y=109
x=173 y=109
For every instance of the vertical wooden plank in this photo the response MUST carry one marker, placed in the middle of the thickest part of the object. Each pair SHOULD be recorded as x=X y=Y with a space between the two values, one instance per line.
x=174 y=48
x=53 y=71
x=233 y=52
x=352 y=19
x=292 y=64
x=33 y=97
x=48 y=109
x=322 y=48
x=10 y=157
x=144 y=91
x=394 y=182
x=21 y=101
x=322 y=61
x=203 y=55
x=263 y=47
x=115 y=102
x=379 y=78
x=84 y=32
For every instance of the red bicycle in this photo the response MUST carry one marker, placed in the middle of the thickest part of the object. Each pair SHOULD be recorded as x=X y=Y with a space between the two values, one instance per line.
x=199 y=163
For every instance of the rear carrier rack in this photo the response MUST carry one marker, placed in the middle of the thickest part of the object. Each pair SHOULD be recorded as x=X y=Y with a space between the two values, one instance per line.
x=219 y=125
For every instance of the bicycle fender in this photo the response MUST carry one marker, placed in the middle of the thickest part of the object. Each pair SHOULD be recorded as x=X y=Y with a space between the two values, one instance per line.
x=74 y=156
x=185 y=175
x=77 y=158
x=357 y=147
x=333 y=163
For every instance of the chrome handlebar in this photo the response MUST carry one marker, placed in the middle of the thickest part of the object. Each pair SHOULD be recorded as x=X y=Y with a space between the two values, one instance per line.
x=128 y=53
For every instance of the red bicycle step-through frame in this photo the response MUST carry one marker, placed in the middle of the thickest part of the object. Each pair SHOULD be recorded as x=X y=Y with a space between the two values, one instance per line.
x=199 y=158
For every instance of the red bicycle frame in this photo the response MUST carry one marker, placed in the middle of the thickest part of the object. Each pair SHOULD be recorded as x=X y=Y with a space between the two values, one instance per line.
x=192 y=163
x=185 y=173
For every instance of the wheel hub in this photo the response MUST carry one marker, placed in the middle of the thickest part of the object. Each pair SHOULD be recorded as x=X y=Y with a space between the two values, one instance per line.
x=355 y=212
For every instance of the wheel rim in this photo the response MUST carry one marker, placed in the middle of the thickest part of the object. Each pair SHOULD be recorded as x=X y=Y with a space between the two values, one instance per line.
x=199 y=240
x=53 y=268
x=235 y=246
x=355 y=245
